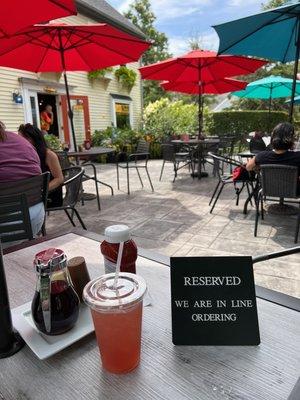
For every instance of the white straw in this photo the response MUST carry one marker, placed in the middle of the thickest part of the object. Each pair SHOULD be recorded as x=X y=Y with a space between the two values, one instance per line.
x=118 y=265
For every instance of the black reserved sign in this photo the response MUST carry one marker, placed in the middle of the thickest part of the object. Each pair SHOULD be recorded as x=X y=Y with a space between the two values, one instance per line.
x=213 y=301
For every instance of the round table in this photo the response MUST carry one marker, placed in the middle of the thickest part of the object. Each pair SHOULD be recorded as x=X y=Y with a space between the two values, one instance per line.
x=197 y=142
x=93 y=151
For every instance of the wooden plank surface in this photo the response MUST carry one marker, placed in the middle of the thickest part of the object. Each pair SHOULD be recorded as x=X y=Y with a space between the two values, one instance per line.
x=268 y=371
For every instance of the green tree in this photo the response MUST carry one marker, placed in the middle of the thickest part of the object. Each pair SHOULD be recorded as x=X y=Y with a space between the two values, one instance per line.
x=141 y=15
x=273 y=3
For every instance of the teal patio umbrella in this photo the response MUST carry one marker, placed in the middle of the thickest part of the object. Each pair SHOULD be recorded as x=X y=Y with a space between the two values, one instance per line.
x=271 y=87
x=272 y=34
x=296 y=100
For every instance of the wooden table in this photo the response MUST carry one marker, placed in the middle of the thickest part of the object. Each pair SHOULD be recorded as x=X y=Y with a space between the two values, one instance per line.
x=198 y=144
x=267 y=372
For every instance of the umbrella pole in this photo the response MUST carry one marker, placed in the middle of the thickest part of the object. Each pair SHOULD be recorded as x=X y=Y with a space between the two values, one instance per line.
x=70 y=112
x=295 y=71
x=270 y=105
x=200 y=99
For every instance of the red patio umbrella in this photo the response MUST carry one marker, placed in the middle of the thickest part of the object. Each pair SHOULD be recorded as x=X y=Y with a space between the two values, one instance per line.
x=16 y=15
x=200 y=66
x=61 y=48
x=218 y=86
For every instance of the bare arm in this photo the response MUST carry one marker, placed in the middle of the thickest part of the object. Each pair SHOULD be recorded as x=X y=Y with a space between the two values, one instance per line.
x=55 y=169
x=251 y=164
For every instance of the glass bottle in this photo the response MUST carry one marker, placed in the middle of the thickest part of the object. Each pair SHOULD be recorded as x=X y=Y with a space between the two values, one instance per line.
x=55 y=305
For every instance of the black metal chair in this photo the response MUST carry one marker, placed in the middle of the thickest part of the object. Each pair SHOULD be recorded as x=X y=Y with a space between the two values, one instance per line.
x=169 y=154
x=137 y=160
x=64 y=161
x=15 y=222
x=35 y=189
x=72 y=185
x=277 y=181
x=226 y=178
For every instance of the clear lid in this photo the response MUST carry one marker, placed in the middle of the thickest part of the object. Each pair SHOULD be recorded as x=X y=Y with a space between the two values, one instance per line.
x=117 y=233
x=99 y=294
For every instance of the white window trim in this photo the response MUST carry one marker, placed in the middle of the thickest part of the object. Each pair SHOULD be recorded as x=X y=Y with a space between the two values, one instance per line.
x=113 y=112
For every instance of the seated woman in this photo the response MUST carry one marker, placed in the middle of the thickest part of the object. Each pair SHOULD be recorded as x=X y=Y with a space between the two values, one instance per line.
x=18 y=161
x=257 y=143
x=48 y=160
x=282 y=142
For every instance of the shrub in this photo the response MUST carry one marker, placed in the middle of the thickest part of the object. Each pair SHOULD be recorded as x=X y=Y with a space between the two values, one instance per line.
x=164 y=118
x=53 y=142
x=239 y=123
x=120 y=139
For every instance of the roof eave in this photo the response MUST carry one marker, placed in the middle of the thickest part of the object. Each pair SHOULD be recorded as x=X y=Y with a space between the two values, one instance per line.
x=94 y=13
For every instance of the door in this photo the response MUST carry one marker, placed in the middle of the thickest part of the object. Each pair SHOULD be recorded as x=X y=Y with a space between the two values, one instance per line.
x=33 y=113
x=81 y=118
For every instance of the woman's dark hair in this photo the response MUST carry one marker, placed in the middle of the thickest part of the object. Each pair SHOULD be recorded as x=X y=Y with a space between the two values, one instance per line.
x=2 y=132
x=36 y=137
x=283 y=136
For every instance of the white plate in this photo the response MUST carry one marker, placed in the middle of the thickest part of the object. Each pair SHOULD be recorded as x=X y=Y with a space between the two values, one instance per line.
x=45 y=346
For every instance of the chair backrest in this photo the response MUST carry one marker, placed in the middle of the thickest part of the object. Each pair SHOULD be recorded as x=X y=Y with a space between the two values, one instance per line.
x=35 y=188
x=14 y=218
x=279 y=180
x=72 y=184
x=168 y=152
x=143 y=147
x=219 y=162
x=63 y=159
x=226 y=145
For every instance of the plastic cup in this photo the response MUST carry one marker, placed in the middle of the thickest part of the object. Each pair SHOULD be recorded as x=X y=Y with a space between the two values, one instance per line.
x=117 y=317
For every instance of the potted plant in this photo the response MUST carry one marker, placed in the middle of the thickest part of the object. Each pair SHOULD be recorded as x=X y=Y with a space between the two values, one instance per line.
x=101 y=74
x=126 y=76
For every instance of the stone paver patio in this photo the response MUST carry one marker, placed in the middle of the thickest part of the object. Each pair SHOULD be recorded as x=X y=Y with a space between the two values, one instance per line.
x=175 y=220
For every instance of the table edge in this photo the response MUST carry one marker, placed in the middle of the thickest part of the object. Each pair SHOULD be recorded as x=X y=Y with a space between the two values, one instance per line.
x=270 y=295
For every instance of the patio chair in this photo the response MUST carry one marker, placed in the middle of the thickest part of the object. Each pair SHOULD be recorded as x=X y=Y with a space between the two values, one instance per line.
x=15 y=222
x=35 y=189
x=226 y=179
x=137 y=160
x=72 y=184
x=169 y=154
x=65 y=162
x=279 y=181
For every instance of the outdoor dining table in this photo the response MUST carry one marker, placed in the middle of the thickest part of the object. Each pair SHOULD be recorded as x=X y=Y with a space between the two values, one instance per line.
x=87 y=155
x=267 y=371
x=197 y=145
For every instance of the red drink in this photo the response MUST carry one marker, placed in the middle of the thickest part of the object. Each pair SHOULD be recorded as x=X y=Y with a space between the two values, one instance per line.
x=117 y=316
x=119 y=338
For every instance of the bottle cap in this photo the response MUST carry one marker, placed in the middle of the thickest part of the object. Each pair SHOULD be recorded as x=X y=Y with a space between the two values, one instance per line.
x=117 y=233
x=100 y=295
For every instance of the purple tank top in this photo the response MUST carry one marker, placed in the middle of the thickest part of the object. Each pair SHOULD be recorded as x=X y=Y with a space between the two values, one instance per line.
x=18 y=159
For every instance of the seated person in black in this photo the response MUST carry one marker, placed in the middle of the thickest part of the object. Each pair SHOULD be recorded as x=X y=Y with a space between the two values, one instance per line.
x=282 y=141
x=49 y=162
x=257 y=143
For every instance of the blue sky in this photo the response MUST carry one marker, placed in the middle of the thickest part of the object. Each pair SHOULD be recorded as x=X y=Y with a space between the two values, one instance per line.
x=182 y=19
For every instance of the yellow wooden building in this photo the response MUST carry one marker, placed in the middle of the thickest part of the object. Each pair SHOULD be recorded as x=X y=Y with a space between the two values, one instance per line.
x=96 y=104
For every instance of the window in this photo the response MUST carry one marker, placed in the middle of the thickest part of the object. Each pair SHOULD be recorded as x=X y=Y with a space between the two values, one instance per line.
x=121 y=111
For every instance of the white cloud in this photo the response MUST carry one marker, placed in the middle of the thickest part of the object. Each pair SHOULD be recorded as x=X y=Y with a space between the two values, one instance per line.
x=240 y=3
x=170 y=9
